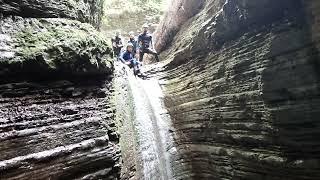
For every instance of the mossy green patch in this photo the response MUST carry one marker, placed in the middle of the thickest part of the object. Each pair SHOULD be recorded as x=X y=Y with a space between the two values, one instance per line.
x=60 y=46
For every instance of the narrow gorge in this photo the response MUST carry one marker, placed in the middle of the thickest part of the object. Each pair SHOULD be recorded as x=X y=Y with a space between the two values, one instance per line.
x=236 y=94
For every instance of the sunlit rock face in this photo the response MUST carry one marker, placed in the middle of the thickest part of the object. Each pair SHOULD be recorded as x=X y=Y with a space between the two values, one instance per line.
x=178 y=13
x=243 y=91
x=89 y=11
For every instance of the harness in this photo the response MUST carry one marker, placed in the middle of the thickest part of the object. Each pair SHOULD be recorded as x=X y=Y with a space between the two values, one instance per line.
x=145 y=39
x=134 y=42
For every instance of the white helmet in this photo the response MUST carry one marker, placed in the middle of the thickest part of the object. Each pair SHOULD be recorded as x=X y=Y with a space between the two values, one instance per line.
x=129 y=45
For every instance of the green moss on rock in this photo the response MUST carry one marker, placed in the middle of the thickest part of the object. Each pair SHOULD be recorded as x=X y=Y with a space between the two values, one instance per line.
x=89 y=11
x=54 y=46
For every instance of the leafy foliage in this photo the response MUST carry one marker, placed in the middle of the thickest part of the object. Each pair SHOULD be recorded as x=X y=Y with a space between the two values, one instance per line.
x=130 y=15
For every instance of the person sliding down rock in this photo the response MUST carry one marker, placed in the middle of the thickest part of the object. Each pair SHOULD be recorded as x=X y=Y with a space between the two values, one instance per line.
x=117 y=44
x=129 y=59
x=133 y=41
x=145 y=41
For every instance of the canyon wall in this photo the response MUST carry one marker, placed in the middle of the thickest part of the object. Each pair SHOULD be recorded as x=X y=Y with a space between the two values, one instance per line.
x=58 y=130
x=56 y=107
x=242 y=88
x=89 y=11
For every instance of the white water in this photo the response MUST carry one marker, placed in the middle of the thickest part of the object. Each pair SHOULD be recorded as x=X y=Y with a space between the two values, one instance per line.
x=152 y=125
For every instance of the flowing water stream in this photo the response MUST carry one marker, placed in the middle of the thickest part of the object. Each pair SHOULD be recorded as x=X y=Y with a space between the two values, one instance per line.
x=152 y=125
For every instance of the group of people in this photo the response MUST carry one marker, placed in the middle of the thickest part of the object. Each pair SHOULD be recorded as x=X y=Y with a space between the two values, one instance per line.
x=135 y=49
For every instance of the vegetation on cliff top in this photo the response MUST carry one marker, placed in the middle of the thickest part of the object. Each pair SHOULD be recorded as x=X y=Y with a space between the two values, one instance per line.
x=130 y=15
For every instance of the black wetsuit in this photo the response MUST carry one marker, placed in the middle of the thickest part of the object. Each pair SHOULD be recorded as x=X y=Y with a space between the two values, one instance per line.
x=134 y=42
x=144 y=40
x=117 y=45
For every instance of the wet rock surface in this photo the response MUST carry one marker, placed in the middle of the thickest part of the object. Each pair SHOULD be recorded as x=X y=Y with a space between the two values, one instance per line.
x=144 y=126
x=242 y=88
x=130 y=168
x=58 y=130
x=82 y=10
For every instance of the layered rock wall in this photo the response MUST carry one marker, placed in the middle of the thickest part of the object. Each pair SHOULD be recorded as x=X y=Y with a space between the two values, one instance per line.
x=56 y=109
x=243 y=91
x=58 y=130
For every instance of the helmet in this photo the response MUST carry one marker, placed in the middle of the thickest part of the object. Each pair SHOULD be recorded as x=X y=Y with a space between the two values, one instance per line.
x=145 y=26
x=129 y=45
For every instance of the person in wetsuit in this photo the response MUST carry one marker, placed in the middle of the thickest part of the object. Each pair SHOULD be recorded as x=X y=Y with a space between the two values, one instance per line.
x=133 y=41
x=129 y=59
x=145 y=42
x=117 y=44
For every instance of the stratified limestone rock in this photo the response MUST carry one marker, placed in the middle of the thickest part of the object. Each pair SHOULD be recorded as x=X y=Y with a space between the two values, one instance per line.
x=49 y=47
x=58 y=130
x=243 y=91
x=89 y=11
